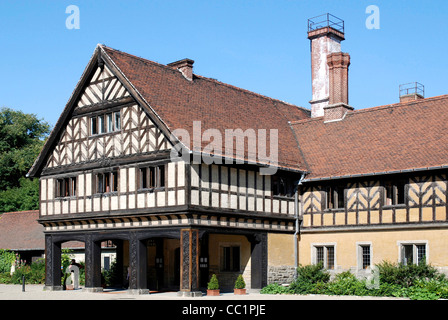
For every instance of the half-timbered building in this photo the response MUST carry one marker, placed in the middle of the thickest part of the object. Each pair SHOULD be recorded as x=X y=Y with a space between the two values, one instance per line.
x=134 y=158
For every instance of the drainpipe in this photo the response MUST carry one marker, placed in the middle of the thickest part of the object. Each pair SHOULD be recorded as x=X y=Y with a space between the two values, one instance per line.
x=297 y=217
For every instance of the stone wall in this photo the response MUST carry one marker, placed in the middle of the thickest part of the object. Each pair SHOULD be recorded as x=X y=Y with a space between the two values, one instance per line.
x=281 y=274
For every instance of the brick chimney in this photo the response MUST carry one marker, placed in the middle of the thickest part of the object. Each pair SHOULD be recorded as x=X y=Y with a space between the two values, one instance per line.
x=326 y=32
x=337 y=107
x=185 y=66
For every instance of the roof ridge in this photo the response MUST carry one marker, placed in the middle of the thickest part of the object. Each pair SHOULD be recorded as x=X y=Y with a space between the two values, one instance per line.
x=209 y=79
x=379 y=108
x=140 y=58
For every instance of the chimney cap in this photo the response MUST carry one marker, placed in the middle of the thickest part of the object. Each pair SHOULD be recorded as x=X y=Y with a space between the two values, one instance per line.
x=181 y=63
x=326 y=20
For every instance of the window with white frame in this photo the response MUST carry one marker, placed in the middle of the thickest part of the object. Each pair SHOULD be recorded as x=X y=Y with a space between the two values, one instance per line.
x=364 y=256
x=413 y=252
x=325 y=254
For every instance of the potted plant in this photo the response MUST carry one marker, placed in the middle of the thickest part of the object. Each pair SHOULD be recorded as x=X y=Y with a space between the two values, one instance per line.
x=240 y=285
x=213 y=286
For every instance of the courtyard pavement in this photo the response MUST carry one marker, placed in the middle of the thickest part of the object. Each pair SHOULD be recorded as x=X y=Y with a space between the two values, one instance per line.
x=36 y=292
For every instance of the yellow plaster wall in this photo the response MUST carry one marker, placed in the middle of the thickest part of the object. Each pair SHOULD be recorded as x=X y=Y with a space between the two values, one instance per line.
x=280 y=249
x=384 y=245
x=227 y=279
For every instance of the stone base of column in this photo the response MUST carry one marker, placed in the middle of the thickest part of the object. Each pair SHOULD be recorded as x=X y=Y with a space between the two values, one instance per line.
x=138 y=291
x=53 y=288
x=93 y=289
x=189 y=294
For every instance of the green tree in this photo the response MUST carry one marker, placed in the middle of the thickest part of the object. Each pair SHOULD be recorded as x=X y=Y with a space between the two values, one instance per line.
x=21 y=138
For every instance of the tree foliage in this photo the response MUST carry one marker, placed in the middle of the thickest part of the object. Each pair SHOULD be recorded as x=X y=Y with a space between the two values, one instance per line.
x=21 y=139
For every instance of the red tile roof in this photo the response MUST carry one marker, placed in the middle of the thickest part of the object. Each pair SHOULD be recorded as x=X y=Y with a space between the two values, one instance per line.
x=21 y=231
x=179 y=102
x=396 y=137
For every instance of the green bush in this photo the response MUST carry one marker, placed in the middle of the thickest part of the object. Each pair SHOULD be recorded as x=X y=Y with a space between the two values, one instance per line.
x=274 y=288
x=346 y=283
x=310 y=279
x=6 y=260
x=34 y=273
x=417 y=282
x=406 y=275
x=239 y=283
x=313 y=273
x=213 y=284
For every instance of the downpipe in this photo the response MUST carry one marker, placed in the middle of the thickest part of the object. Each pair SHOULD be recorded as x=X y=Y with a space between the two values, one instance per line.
x=297 y=222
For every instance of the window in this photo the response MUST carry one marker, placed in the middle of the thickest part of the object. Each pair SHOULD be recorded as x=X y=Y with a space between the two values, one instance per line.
x=325 y=254
x=413 y=253
x=110 y=122
x=365 y=256
x=104 y=123
x=394 y=192
x=152 y=177
x=230 y=258
x=66 y=187
x=93 y=126
x=335 y=197
x=101 y=126
x=107 y=182
x=282 y=186
x=117 y=121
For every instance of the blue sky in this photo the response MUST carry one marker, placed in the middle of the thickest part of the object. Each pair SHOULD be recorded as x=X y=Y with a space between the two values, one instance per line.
x=258 y=45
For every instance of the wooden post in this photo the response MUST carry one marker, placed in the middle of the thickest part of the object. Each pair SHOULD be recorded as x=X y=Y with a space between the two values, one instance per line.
x=93 y=265
x=52 y=264
x=189 y=263
x=138 y=265
x=259 y=261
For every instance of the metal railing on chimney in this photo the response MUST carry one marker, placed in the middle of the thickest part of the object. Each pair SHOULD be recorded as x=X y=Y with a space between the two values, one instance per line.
x=326 y=20
x=412 y=88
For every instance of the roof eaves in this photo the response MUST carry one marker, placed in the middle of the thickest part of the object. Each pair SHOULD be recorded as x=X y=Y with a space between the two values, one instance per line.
x=376 y=173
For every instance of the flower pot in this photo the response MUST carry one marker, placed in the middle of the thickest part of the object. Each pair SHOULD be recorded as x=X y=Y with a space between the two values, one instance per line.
x=213 y=292
x=239 y=291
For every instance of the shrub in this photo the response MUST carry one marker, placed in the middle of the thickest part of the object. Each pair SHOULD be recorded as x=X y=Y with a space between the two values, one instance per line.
x=313 y=273
x=239 y=283
x=417 y=282
x=406 y=275
x=34 y=273
x=310 y=279
x=274 y=288
x=346 y=283
x=213 y=284
x=6 y=259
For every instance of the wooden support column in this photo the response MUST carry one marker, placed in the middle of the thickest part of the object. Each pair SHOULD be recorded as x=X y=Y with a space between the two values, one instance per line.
x=138 y=265
x=93 y=265
x=52 y=264
x=259 y=261
x=189 y=263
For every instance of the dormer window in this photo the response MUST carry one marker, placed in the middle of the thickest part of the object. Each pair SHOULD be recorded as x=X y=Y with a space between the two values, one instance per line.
x=335 y=197
x=394 y=192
